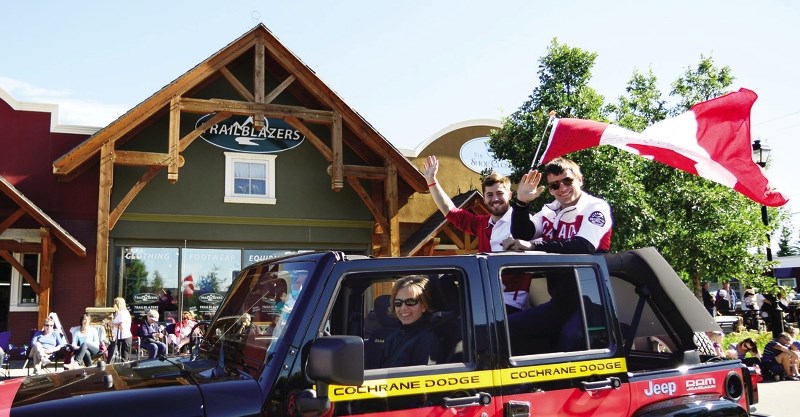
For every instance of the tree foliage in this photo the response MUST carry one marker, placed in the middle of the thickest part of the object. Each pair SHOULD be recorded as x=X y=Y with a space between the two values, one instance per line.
x=706 y=231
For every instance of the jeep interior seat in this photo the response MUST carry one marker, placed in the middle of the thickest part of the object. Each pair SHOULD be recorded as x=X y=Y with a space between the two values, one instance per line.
x=373 y=346
x=448 y=322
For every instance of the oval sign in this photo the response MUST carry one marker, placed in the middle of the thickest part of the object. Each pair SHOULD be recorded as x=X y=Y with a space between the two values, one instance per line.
x=145 y=298
x=211 y=298
x=477 y=156
x=238 y=134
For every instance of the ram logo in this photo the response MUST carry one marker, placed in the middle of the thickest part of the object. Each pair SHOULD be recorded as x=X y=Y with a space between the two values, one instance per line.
x=702 y=383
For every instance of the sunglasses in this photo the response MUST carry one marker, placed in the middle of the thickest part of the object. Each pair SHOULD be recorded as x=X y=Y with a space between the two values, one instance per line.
x=48 y=325
x=411 y=302
x=555 y=185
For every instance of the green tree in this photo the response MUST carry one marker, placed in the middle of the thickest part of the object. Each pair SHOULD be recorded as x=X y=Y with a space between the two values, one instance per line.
x=158 y=282
x=785 y=247
x=135 y=278
x=705 y=230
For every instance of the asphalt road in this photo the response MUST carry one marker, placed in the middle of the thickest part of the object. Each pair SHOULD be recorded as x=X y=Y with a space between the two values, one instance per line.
x=778 y=399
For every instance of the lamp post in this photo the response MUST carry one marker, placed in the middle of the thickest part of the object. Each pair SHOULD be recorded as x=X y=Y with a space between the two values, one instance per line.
x=761 y=154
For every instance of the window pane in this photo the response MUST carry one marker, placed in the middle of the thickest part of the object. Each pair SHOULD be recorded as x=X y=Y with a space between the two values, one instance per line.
x=241 y=186
x=241 y=170
x=258 y=171
x=31 y=263
x=258 y=187
x=565 y=305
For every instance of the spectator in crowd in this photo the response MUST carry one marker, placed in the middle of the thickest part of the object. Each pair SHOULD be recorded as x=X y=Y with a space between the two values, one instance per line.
x=415 y=343
x=85 y=342
x=716 y=342
x=44 y=344
x=778 y=358
x=246 y=325
x=150 y=336
x=708 y=300
x=121 y=335
x=742 y=349
x=183 y=330
x=725 y=300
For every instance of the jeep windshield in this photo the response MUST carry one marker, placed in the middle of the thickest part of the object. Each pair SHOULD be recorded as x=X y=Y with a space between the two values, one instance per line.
x=250 y=322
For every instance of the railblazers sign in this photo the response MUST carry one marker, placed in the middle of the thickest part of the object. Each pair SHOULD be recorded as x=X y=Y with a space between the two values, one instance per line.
x=239 y=134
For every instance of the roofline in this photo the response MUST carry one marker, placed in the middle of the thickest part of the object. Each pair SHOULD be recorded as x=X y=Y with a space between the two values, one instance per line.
x=55 y=127
x=34 y=211
x=413 y=153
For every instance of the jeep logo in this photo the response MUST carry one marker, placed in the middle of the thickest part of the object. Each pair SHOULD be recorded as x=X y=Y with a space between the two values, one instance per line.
x=668 y=388
x=145 y=298
x=211 y=298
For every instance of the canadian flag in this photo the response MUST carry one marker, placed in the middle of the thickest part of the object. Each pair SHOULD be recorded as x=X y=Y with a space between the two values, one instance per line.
x=188 y=286
x=711 y=140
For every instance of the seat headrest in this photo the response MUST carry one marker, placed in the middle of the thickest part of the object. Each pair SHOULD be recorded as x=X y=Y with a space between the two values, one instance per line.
x=381 y=307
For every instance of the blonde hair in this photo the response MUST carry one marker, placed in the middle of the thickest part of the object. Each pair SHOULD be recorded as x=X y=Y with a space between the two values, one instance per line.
x=119 y=304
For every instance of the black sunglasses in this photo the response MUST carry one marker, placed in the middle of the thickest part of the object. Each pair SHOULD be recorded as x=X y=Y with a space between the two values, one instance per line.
x=557 y=183
x=411 y=302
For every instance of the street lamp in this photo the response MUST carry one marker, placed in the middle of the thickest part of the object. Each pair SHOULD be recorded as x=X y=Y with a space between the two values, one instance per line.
x=761 y=156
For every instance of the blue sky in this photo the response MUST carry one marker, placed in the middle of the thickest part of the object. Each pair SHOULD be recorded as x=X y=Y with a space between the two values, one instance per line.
x=410 y=68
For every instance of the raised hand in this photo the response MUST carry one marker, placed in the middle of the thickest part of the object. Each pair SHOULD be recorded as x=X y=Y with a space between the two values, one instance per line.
x=431 y=166
x=529 y=187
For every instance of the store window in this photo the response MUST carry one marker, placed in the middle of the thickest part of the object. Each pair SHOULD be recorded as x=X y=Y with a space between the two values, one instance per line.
x=13 y=286
x=249 y=178
x=207 y=275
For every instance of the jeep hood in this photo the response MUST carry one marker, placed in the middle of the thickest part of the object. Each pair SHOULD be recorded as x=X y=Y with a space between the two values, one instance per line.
x=194 y=390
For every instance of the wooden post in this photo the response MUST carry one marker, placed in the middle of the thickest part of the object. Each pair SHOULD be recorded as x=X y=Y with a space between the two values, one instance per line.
x=45 y=274
x=174 y=138
x=103 y=225
x=392 y=209
x=337 y=181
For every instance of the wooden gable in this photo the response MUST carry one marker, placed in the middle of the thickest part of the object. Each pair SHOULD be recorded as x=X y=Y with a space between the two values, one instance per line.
x=383 y=181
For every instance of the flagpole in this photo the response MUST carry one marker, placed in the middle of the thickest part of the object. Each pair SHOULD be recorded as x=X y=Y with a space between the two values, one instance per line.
x=544 y=133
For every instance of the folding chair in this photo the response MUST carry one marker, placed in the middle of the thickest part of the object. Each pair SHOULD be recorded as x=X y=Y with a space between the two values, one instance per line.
x=4 y=357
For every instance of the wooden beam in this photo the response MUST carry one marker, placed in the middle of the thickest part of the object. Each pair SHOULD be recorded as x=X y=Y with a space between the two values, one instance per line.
x=174 y=137
x=363 y=172
x=144 y=159
x=453 y=236
x=371 y=206
x=326 y=152
x=103 y=225
x=45 y=273
x=200 y=106
x=236 y=84
x=258 y=82
x=336 y=167
x=194 y=134
x=392 y=208
x=156 y=103
x=126 y=201
x=10 y=220
x=21 y=269
x=279 y=89
x=20 y=247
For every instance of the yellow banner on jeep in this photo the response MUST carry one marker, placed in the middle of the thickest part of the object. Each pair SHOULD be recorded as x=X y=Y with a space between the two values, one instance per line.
x=381 y=388
x=391 y=387
x=556 y=371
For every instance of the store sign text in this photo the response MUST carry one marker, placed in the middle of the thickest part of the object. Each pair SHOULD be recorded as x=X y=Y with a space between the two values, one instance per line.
x=239 y=134
x=477 y=156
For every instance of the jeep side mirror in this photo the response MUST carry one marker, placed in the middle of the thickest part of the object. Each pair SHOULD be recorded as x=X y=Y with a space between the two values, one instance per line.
x=331 y=360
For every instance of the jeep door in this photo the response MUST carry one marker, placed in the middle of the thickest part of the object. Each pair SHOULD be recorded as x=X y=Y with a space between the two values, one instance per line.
x=456 y=376
x=558 y=338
